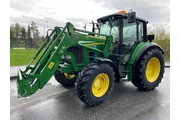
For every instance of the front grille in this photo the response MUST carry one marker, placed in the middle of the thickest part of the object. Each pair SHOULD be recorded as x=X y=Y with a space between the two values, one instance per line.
x=78 y=53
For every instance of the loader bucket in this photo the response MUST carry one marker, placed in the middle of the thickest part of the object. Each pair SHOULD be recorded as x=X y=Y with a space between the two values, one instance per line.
x=23 y=86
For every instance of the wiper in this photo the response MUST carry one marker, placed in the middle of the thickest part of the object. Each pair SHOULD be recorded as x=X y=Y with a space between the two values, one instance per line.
x=114 y=29
x=112 y=26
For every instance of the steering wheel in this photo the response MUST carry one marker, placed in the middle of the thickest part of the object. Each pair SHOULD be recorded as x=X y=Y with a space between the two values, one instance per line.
x=129 y=41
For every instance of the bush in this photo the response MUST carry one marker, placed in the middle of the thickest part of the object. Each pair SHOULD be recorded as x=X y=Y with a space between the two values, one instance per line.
x=162 y=38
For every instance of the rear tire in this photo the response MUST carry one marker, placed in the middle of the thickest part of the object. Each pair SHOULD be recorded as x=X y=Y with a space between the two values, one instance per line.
x=95 y=83
x=149 y=70
x=63 y=78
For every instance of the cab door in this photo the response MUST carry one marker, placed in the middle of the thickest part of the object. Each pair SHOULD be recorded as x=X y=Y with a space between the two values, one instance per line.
x=132 y=34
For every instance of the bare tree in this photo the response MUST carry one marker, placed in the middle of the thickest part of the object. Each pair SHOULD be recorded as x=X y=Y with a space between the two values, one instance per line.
x=162 y=38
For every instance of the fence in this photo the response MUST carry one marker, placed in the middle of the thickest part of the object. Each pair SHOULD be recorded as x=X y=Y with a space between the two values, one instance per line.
x=23 y=43
x=35 y=44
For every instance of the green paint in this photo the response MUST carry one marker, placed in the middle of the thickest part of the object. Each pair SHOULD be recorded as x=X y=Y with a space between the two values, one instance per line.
x=136 y=51
x=138 y=48
x=70 y=50
x=57 y=44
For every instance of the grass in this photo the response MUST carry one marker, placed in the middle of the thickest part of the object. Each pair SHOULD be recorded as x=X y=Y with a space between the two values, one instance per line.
x=19 y=57
x=167 y=58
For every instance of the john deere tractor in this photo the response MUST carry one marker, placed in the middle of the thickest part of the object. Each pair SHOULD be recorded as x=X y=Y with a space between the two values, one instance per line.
x=117 y=48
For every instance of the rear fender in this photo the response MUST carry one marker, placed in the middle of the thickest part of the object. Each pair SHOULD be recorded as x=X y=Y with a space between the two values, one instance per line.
x=146 y=48
x=137 y=54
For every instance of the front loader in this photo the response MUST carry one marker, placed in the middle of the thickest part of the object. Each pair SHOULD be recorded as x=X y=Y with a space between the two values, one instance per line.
x=117 y=48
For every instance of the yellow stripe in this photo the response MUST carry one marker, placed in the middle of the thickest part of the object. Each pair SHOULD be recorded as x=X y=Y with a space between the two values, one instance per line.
x=102 y=38
x=93 y=44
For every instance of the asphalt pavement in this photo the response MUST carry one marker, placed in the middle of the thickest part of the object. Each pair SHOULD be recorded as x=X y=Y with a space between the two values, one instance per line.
x=54 y=102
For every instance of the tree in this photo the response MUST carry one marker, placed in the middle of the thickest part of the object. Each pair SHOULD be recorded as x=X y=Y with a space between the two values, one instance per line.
x=162 y=38
x=29 y=32
x=23 y=33
x=34 y=29
x=17 y=29
x=159 y=31
x=43 y=38
x=12 y=32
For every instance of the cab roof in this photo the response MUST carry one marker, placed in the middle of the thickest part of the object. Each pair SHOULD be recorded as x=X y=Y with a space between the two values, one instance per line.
x=118 y=15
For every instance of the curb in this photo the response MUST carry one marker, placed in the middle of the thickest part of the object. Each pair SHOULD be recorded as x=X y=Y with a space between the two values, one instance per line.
x=14 y=77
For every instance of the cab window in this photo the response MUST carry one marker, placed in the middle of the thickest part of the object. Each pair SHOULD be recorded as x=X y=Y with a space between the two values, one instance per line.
x=132 y=32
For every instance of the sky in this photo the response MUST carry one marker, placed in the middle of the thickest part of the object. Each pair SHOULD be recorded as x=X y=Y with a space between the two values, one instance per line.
x=51 y=13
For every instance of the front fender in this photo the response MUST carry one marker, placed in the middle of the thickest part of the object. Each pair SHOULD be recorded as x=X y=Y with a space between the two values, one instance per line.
x=113 y=65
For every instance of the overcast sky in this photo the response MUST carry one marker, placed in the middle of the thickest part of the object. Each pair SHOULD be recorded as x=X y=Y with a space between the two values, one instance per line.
x=51 y=13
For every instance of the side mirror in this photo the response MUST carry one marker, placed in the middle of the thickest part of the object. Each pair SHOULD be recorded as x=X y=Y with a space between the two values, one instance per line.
x=84 y=26
x=97 y=25
x=150 y=37
x=131 y=17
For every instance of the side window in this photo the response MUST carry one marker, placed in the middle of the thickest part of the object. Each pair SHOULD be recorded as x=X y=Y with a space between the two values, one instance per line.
x=105 y=28
x=129 y=32
x=110 y=28
x=140 y=31
x=115 y=33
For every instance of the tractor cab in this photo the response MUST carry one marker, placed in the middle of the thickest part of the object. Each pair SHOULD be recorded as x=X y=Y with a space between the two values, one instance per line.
x=127 y=31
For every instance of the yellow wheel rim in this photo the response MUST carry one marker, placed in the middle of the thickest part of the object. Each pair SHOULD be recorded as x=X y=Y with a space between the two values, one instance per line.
x=69 y=76
x=153 y=69
x=100 y=85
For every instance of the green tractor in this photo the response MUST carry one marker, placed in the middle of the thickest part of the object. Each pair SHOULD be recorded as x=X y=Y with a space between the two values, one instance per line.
x=117 y=48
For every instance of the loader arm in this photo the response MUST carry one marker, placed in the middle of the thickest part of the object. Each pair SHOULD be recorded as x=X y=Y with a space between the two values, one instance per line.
x=53 y=49
x=33 y=78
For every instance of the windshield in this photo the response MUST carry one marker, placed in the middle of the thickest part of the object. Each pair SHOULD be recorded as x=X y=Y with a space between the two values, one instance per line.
x=110 y=28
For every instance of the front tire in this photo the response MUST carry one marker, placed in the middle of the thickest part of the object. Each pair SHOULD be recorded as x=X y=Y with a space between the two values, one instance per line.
x=95 y=84
x=64 y=78
x=149 y=70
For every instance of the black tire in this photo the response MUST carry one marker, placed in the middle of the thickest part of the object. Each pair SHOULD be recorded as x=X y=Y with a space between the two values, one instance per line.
x=140 y=78
x=61 y=78
x=86 y=81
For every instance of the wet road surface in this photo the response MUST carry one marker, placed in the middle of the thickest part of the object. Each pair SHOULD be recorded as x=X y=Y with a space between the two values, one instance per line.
x=54 y=102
